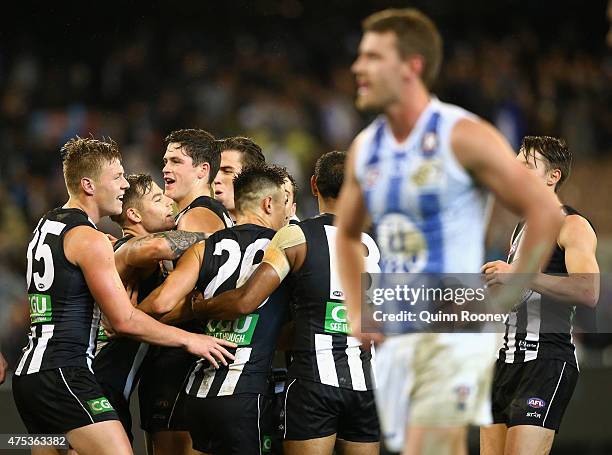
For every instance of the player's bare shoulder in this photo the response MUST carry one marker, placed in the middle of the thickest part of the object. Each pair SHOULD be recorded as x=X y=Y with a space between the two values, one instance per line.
x=83 y=241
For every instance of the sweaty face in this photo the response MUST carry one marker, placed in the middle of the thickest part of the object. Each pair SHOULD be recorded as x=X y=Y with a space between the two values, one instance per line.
x=180 y=175
x=156 y=210
x=231 y=166
x=378 y=71
x=291 y=205
x=110 y=187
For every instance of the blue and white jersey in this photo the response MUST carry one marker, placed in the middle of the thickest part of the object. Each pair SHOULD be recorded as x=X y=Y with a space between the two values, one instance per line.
x=428 y=213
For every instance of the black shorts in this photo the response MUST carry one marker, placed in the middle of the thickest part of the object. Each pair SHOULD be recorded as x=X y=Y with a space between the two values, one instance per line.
x=161 y=391
x=234 y=424
x=117 y=367
x=533 y=393
x=314 y=410
x=59 y=400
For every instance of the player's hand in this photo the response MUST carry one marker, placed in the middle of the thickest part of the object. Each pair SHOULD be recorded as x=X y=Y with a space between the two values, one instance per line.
x=107 y=327
x=3 y=368
x=211 y=348
x=496 y=272
x=112 y=239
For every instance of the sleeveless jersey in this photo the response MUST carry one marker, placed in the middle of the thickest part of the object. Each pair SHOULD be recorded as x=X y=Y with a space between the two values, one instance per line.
x=427 y=212
x=223 y=214
x=322 y=350
x=208 y=203
x=230 y=256
x=64 y=316
x=540 y=327
x=118 y=363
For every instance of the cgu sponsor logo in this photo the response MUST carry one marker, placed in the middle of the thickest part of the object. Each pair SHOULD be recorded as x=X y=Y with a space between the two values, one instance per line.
x=535 y=414
x=41 y=310
x=335 y=318
x=99 y=405
x=536 y=403
x=239 y=331
x=266 y=444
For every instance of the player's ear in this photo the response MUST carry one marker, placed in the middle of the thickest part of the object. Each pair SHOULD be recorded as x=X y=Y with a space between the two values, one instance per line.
x=267 y=205
x=88 y=186
x=204 y=171
x=133 y=215
x=313 y=186
x=413 y=65
x=553 y=177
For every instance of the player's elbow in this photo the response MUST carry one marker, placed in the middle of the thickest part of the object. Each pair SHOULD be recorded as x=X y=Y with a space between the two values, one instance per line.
x=161 y=306
x=589 y=298
x=244 y=307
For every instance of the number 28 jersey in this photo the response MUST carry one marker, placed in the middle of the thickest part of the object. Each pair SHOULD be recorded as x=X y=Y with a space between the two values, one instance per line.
x=64 y=317
x=230 y=257
x=323 y=351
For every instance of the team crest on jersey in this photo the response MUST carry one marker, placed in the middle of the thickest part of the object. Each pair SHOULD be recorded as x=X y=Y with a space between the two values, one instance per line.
x=428 y=173
x=429 y=144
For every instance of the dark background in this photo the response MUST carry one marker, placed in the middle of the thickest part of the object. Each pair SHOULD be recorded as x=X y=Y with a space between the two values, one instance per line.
x=278 y=71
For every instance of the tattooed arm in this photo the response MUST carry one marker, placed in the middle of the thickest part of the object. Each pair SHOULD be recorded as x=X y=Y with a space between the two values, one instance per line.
x=142 y=252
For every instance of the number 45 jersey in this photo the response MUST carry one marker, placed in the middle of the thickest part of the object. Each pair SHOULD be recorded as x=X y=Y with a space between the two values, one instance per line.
x=64 y=316
x=230 y=257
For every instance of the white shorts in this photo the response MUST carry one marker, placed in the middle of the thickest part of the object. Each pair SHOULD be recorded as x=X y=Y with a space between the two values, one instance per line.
x=433 y=380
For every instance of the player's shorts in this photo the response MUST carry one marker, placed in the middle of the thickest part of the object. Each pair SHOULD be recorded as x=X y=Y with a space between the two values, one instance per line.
x=230 y=425
x=433 y=380
x=314 y=410
x=533 y=393
x=161 y=392
x=59 y=400
x=117 y=367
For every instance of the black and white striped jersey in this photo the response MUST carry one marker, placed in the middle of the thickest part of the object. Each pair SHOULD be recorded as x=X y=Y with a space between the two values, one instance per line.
x=539 y=327
x=230 y=256
x=118 y=362
x=64 y=317
x=322 y=351
x=218 y=209
x=208 y=203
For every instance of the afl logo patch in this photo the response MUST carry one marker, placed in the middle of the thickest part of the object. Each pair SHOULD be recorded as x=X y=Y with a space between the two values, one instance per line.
x=429 y=144
x=536 y=403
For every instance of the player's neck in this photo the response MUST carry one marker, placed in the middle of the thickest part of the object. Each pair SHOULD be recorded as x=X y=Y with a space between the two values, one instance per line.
x=87 y=205
x=251 y=217
x=403 y=115
x=327 y=205
x=233 y=214
x=203 y=189
x=135 y=230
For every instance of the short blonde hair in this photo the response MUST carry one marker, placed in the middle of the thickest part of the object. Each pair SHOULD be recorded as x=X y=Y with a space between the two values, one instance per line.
x=85 y=157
